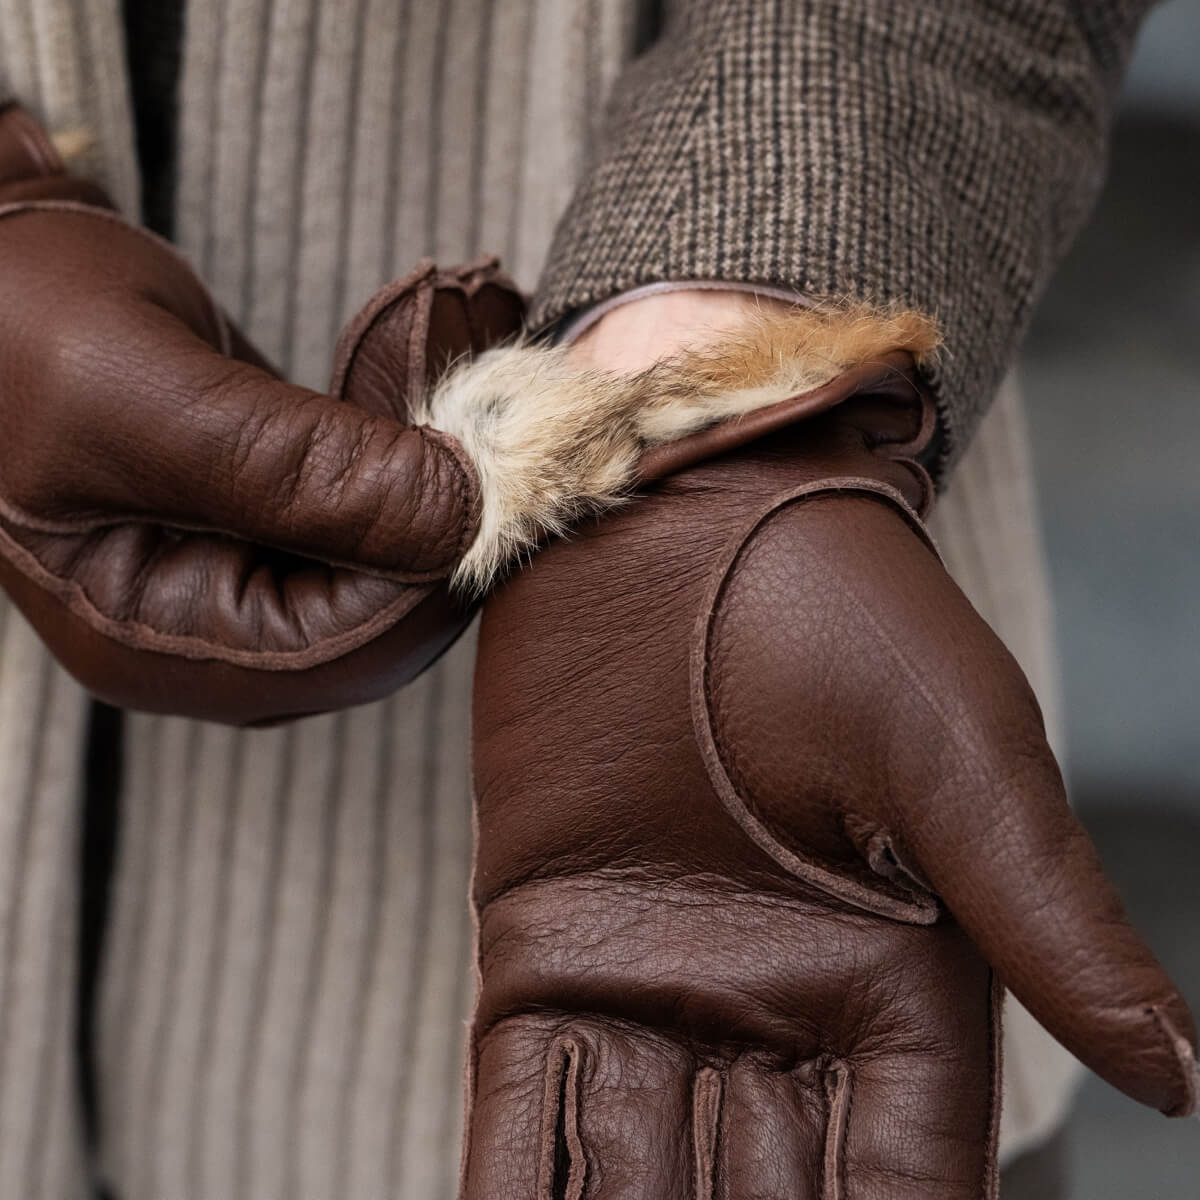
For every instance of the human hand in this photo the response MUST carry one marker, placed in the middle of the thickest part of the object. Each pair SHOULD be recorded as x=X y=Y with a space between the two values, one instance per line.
x=644 y=330
x=187 y=531
x=765 y=811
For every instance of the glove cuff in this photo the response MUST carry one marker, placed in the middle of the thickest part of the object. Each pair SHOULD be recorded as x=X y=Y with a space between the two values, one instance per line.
x=551 y=441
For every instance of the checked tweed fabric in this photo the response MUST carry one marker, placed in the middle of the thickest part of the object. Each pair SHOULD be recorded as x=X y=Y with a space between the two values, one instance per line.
x=941 y=155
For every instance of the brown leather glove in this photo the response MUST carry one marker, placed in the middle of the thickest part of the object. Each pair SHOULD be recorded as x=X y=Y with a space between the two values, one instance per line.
x=187 y=532
x=764 y=811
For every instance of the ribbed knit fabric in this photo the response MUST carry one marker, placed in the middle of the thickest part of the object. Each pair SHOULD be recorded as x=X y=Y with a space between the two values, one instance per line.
x=42 y=718
x=937 y=153
x=287 y=967
x=288 y=973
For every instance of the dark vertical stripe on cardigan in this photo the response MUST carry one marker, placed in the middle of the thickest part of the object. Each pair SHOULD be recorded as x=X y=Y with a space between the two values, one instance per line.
x=100 y=815
x=153 y=42
x=178 y=924
x=252 y=1044
x=198 y=1126
x=402 y=1096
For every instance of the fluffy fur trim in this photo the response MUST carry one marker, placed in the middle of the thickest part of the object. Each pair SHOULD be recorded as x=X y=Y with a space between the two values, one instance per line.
x=552 y=441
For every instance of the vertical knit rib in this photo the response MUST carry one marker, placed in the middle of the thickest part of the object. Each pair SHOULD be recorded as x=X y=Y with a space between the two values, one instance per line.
x=372 y=1104
x=163 y=903
x=291 y=933
x=427 y=1145
x=196 y=903
x=42 y=714
x=125 y=943
x=504 y=145
x=456 y=99
x=317 y=285
x=272 y=206
x=372 y=175
x=249 y=851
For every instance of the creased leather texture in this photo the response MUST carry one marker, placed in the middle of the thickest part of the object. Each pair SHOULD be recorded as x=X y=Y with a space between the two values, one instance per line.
x=187 y=532
x=765 y=812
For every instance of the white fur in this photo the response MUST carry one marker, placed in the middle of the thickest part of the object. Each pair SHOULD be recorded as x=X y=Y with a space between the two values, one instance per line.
x=552 y=441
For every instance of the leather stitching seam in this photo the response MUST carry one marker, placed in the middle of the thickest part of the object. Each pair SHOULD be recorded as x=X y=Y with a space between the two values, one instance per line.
x=139 y=636
x=707 y=728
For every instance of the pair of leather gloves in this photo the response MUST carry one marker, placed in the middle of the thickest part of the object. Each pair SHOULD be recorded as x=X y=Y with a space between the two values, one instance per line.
x=766 y=812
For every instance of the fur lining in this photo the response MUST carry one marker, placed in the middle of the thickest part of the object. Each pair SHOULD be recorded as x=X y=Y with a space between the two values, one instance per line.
x=552 y=441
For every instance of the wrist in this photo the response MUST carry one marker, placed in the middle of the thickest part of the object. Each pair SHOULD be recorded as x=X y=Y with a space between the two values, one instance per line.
x=633 y=332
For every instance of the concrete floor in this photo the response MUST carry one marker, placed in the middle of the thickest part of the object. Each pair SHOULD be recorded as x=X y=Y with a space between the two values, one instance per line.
x=1112 y=378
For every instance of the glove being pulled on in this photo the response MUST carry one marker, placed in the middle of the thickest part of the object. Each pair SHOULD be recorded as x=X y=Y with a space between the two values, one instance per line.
x=765 y=813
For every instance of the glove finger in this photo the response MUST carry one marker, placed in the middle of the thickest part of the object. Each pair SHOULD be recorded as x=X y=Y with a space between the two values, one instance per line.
x=204 y=594
x=999 y=843
x=563 y=1113
x=911 y=1074
x=216 y=628
x=770 y=1134
x=915 y=1127
x=122 y=404
x=273 y=463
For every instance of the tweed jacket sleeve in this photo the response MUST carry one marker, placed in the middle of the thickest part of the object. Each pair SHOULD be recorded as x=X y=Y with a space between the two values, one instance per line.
x=941 y=154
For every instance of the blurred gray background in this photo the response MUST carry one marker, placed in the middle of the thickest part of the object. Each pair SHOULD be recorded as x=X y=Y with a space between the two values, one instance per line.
x=1111 y=374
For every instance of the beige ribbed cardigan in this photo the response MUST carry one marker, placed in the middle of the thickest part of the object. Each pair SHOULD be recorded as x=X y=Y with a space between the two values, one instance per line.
x=287 y=965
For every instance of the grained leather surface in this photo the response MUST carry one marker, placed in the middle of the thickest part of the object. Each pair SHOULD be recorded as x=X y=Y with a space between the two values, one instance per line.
x=188 y=532
x=765 y=812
